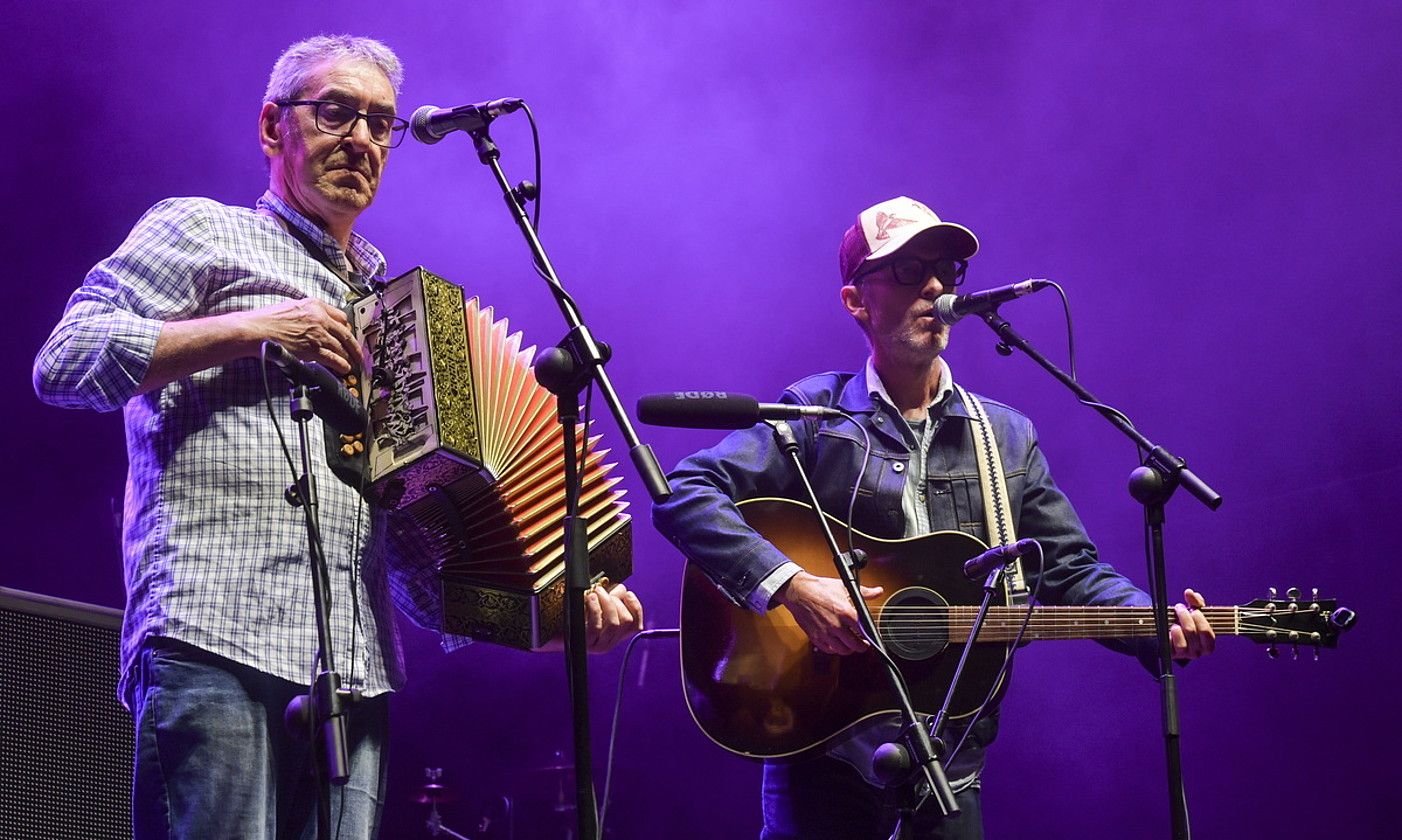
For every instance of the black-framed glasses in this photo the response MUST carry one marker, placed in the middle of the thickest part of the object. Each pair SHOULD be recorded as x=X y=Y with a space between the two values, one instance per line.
x=338 y=119
x=914 y=271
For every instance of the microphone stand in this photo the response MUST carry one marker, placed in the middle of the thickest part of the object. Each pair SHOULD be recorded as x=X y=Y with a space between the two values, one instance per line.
x=892 y=760
x=566 y=370
x=921 y=750
x=321 y=711
x=1151 y=485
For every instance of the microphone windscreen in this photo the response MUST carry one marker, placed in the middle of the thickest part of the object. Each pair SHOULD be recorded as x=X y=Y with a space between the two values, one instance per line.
x=418 y=125
x=944 y=309
x=699 y=410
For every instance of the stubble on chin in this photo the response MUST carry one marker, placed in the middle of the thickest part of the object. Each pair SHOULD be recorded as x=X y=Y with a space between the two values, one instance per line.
x=941 y=339
x=332 y=186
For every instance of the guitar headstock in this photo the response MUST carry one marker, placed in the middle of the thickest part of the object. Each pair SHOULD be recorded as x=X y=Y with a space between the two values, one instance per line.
x=1316 y=622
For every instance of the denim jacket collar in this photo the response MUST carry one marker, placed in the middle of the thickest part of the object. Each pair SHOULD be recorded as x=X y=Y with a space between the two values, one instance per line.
x=855 y=398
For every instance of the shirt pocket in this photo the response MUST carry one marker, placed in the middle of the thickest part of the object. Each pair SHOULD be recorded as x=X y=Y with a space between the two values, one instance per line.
x=877 y=507
x=956 y=503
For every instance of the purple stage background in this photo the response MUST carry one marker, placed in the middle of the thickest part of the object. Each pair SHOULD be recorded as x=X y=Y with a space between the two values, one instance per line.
x=1215 y=184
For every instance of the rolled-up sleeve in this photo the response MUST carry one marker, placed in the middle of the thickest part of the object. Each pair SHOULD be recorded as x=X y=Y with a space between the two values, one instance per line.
x=98 y=354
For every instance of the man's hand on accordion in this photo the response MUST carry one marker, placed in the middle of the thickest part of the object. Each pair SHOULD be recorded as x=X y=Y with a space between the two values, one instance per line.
x=610 y=616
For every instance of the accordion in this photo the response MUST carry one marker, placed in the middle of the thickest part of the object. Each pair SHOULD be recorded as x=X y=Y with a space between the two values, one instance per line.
x=466 y=450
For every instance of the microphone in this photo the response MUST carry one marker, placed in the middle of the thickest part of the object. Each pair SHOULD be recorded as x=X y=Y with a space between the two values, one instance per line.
x=330 y=399
x=950 y=308
x=431 y=124
x=998 y=555
x=720 y=410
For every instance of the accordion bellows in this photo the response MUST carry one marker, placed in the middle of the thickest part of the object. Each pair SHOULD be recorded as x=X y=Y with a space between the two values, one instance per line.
x=466 y=447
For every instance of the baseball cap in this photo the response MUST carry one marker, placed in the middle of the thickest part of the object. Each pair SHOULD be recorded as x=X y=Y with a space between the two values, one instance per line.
x=885 y=228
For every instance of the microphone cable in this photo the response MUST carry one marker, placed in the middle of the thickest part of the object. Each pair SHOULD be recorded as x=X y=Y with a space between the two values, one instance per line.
x=662 y=632
x=1102 y=408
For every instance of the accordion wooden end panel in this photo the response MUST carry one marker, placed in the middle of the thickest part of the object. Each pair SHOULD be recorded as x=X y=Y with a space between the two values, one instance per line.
x=527 y=620
x=466 y=448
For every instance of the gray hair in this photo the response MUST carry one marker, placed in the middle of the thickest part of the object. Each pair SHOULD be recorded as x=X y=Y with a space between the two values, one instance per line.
x=293 y=69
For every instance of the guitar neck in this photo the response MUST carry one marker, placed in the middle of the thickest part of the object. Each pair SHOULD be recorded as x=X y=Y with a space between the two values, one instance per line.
x=1004 y=623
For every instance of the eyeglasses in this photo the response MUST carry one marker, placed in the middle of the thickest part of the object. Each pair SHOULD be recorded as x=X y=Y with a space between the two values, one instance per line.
x=913 y=271
x=338 y=119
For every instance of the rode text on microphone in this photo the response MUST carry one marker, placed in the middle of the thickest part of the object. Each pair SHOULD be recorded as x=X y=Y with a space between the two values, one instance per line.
x=721 y=410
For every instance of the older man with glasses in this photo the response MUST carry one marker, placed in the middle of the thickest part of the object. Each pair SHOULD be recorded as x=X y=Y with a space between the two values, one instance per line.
x=220 y=631
x=922 y=474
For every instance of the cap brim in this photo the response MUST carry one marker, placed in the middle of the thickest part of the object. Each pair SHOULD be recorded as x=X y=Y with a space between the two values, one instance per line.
x=955 y=240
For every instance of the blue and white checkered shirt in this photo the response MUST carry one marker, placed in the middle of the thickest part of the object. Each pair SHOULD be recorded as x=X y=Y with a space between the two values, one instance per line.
x=214 y=556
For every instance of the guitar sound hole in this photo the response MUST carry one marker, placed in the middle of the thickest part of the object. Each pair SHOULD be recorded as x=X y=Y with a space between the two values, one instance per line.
x=912 y=623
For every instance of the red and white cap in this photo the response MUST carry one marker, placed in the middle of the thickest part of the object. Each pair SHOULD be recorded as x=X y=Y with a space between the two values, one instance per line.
x=886 y=228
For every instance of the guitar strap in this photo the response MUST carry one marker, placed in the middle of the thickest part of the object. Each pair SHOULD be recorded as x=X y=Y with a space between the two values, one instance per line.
x=995 y=491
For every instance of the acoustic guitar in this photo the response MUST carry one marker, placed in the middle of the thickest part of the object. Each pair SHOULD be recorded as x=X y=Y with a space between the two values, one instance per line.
x=755 y=685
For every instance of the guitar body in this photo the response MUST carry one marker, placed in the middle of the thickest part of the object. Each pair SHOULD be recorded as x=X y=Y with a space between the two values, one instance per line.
x=756 y=687
x=754 y=683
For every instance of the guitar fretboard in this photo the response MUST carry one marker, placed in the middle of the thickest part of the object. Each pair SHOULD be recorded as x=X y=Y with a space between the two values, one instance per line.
x=914 y=623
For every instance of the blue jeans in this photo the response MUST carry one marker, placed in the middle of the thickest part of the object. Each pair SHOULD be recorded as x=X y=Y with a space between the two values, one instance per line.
x=822 y=797
x=213 y=759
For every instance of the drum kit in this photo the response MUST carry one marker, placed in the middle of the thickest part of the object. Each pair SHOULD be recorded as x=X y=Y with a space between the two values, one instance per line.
x=548 y=793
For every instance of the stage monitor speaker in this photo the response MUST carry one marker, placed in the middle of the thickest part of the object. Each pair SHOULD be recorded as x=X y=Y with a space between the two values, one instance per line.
x=65 y=740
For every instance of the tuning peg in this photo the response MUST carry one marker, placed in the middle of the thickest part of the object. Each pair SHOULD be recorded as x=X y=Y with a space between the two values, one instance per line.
x=1271 y=591
x=1295 y=652
x=1316 y=653
x=1272 y=652
x=1293 y=593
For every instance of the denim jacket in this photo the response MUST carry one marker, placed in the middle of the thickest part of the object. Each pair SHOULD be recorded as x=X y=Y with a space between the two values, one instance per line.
x=701 y=518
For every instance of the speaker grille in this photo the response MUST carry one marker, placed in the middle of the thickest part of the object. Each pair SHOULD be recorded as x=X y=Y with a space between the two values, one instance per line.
x=65 y=740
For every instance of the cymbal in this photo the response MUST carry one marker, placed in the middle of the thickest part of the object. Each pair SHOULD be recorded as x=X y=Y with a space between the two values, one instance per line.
x=434 y=793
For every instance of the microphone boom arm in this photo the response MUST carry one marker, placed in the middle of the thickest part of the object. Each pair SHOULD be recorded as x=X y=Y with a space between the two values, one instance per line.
x=1151 y=485
x=1170 y=466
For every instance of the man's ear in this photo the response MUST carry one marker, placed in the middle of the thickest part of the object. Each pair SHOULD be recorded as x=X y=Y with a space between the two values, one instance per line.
x=852 y=300
x=270 y=129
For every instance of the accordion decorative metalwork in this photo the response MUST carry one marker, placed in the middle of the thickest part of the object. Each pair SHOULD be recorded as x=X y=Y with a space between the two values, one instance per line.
x=466 y=448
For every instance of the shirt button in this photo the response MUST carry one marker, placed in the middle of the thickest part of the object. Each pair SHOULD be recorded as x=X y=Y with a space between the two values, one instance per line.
x=898 y=467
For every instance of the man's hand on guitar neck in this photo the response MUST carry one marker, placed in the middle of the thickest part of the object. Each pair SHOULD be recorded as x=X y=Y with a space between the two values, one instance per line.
x=1192 y=636
x=822 y=609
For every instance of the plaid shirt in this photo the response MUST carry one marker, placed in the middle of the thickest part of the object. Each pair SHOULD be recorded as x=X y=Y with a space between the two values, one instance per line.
x=214 y=556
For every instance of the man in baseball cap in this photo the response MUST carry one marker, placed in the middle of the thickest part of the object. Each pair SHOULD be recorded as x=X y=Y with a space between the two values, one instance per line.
x=920 y=473
x=895 y=261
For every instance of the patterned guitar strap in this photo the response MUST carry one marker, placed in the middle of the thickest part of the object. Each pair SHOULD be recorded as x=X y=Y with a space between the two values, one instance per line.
x=994 y=485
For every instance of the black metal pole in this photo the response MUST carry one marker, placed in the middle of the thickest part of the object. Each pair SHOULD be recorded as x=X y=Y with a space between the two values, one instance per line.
x=1150 y=489
x=326 y=721
x=586 y=363
x=922 y=751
